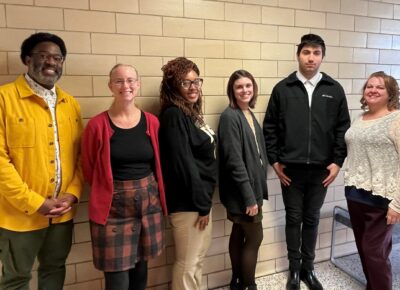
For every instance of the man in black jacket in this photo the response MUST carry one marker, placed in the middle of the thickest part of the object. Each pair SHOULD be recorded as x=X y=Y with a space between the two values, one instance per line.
x=304 y=127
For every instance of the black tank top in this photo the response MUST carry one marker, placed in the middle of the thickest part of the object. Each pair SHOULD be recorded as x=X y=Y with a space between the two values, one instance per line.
x=132 y=155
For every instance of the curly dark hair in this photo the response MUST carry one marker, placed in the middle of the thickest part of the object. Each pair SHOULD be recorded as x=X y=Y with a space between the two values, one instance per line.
x=29 y=44
x=173 y=73
x=230 y=91
x=391 y=86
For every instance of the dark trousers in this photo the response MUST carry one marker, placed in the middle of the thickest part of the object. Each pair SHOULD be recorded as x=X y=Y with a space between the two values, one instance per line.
x=303 y=200
x=132 y=279
x=374 y=243
x=18 y=251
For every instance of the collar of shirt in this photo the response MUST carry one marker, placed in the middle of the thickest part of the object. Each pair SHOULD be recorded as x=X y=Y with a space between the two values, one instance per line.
x=49 y=96
x=309 y=84
x=313 y=81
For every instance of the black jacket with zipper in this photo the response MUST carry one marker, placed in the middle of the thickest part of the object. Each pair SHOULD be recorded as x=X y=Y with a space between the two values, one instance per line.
x=297 y=134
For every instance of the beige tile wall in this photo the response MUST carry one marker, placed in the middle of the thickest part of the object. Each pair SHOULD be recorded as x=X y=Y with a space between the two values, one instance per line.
x=220 y=36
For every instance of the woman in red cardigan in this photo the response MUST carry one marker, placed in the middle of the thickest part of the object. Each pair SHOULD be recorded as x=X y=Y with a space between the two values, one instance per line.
x=121 y=162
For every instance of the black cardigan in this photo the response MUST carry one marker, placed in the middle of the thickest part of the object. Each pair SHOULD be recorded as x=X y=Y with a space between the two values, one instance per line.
x=188 y=162
x=242 y=176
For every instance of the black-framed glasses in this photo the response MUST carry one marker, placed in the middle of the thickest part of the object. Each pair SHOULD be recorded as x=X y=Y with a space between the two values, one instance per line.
x=197 y=83
x=46 y=56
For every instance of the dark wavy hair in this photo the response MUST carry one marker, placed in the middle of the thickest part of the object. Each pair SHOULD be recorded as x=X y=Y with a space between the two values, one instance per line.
x=311 y=40
x=29 y=44
x=231 y=93
x=392 y=87
x=173 y=73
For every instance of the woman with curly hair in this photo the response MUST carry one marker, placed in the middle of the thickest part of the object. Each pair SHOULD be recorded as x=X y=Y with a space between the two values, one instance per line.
x=372 y=184
x=189 y=165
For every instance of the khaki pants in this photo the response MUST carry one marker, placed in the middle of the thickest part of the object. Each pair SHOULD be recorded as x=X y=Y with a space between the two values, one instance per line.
x=191 y=246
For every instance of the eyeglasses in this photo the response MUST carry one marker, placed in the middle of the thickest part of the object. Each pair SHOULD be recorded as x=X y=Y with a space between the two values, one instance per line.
x=121 y=82
x=186 y=84
x=46 y=56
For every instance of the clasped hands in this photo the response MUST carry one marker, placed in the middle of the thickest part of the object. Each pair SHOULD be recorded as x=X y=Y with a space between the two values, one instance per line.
x=56 y=207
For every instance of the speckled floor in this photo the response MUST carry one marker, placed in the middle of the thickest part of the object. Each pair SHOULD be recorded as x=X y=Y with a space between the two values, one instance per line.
x=333 y=278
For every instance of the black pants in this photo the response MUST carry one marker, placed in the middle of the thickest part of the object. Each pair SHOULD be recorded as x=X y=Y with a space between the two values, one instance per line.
x=303 y=200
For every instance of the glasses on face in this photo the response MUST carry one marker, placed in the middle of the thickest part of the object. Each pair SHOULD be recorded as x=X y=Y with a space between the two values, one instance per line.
x=186 y=84
x=121 y=82
x=46 y=56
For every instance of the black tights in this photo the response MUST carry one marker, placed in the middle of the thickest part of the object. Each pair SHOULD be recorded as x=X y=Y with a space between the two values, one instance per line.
x=132 y=279
x=244 y=242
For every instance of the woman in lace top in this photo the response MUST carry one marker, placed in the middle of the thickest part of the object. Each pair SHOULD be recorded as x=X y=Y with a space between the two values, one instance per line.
x=372 y=177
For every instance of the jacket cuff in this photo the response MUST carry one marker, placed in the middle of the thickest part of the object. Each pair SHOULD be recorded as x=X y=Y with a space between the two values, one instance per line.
x=338 y=161
x=204 y=212
x=34 y=204
x=75 y=188
x=272 y=159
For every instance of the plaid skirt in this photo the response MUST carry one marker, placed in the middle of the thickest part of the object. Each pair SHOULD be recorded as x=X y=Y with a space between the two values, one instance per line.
x=134 y=230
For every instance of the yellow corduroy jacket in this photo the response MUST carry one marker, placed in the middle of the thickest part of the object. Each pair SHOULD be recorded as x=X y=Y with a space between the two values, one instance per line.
x=27 y=154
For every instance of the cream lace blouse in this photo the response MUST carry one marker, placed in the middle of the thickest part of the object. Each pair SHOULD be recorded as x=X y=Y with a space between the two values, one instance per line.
x=373 y=157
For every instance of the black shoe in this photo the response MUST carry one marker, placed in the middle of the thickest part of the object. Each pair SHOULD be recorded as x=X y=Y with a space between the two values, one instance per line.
x=309 y=278
x=235 y=284
x=293 y=281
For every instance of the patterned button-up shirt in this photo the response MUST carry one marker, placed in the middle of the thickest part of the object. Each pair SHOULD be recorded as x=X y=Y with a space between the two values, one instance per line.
x=50 y=97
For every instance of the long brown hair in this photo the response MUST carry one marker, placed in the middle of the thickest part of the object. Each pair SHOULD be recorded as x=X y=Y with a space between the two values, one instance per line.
x=391 y=86
x=173 y=73
x=231 y=93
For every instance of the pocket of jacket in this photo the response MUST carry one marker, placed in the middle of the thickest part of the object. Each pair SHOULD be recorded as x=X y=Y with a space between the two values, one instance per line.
x=21 y=132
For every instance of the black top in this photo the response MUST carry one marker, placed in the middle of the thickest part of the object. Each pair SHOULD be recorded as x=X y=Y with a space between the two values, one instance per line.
x=188 y=162
x=366 y=197
x=242 y=167
x=132 y=155
x=297 y=134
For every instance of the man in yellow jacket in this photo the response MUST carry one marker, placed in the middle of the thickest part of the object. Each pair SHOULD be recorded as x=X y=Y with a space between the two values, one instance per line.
x=40 y=174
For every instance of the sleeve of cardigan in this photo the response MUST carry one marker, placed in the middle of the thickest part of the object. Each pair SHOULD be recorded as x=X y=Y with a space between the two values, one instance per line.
x=394 y=132
x=153 y=126
x=231 y=155
x=178 y=160
x=88 y=151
